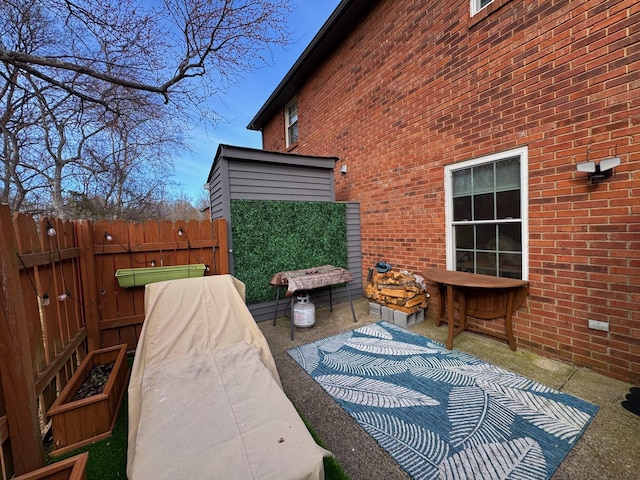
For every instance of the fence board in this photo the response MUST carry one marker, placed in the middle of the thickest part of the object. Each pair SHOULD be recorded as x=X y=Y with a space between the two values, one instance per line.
x=54 y=311
x=28 y=242
x=88 y=285
x=16 y=368
x=105 y=269
x=117 y=302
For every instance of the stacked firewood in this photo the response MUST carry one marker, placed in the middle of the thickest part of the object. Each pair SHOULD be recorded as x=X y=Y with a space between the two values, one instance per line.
x=398 y=290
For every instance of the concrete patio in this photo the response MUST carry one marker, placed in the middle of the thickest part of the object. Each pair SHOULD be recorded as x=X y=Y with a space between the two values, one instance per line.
x=609 y=449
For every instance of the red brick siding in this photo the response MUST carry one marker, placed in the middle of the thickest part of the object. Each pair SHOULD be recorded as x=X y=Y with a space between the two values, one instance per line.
x=418 y=85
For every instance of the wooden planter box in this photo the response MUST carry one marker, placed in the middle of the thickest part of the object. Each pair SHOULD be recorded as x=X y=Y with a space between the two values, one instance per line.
x=81 y=422
x=73 y=468
x=136 y=277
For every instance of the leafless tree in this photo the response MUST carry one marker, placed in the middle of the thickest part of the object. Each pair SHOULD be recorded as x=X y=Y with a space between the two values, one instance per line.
x=83 y=83
x=132 y=178
x=120 y=48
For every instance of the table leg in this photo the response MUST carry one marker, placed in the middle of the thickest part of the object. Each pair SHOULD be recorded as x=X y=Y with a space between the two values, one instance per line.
x=441 y=293
x=507 y=320
x=292 y=325
x=275 y=314
x=331 y=299
x=462 y=306
x=450 y=317
x=353 y=312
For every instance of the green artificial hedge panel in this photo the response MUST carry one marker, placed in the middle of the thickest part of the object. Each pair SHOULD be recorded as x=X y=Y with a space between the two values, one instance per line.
x=272 y=236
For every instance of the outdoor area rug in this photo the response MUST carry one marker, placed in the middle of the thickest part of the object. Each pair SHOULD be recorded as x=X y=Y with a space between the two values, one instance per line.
x=443 y=413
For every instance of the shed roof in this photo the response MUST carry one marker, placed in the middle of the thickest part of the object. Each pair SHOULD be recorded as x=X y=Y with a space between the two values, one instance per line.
x=343 y=20
x=231 y=152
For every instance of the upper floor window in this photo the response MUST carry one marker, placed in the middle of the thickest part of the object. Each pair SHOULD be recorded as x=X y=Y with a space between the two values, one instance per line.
x=477 y=5
x=487 y=215
x=291 y=122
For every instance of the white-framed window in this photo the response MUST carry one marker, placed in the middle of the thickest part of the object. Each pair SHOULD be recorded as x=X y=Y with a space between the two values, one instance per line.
x=477 y=5
x=486 y=211
x=291 y=122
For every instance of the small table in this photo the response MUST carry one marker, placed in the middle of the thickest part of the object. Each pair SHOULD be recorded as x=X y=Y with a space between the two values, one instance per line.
x=309 y=279
x=479 y=296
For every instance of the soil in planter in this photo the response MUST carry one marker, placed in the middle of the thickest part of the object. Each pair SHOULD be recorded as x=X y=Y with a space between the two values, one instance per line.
x=95 y=382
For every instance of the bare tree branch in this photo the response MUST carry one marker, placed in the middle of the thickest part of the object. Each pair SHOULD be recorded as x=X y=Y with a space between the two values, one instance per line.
x=223 y=34
x=94 y=93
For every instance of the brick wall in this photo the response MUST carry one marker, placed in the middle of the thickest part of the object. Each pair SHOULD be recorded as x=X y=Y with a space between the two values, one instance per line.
x=419 y=85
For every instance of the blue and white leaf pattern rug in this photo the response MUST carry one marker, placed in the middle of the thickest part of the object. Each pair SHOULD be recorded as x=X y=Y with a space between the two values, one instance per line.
x=444 y=414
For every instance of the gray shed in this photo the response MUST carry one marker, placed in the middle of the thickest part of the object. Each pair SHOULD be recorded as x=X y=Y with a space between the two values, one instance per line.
x=241 y=173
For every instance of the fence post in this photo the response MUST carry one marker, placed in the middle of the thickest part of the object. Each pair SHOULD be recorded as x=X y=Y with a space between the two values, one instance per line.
x=84 y=234
x=16 y=365
x=222 y=252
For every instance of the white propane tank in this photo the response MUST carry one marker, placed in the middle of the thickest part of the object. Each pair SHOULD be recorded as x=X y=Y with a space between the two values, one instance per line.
x=304 y=312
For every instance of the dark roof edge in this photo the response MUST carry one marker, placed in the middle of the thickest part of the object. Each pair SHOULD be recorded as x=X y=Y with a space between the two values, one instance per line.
x=343 y=19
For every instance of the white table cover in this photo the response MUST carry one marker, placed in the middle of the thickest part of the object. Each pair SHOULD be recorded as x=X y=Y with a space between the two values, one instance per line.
x=205 y=400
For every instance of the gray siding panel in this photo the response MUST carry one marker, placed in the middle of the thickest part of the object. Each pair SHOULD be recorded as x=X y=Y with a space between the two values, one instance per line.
x=215 y=192
x=253 y=181
x=354 y=248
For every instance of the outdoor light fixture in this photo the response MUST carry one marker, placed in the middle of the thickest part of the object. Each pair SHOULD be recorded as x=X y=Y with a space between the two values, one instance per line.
x=343 y=169
x=180 y=232
x=108 y=236
x=50 y=230
x=64 y=296
x=45 y=300
x=597 y=172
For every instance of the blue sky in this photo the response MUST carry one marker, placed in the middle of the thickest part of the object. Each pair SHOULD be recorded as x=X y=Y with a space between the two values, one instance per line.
x=242 y=101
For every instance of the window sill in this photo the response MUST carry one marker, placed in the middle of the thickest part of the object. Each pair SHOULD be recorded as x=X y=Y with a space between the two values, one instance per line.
x=486 y=11
x=292 y=147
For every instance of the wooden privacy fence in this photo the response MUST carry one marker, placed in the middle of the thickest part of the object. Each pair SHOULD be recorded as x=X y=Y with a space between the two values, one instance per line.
x=60 y=299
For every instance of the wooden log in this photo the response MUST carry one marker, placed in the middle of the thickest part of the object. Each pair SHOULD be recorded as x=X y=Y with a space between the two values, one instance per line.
x=418 y=300
x=397 y=292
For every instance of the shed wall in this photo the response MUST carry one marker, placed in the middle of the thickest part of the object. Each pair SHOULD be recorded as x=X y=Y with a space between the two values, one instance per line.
x=216 y=195
x=260 y=181
x=248 y=174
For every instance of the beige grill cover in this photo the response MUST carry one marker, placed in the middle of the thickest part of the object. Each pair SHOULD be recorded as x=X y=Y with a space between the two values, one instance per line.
x=205 y=400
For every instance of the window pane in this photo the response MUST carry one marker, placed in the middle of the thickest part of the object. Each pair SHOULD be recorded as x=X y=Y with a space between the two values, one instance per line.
x=462 y=209
x=508 y=174
x=292 y=113
x=510 y=237
x=461 y=182
x=465 y=261
x=293 y=134
x=486 y=237
x=486 y=263
x=464 y=236
x=291 y=122
x=510 y=265
x=483 y=207
x=483 y=178
x=508 y=204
